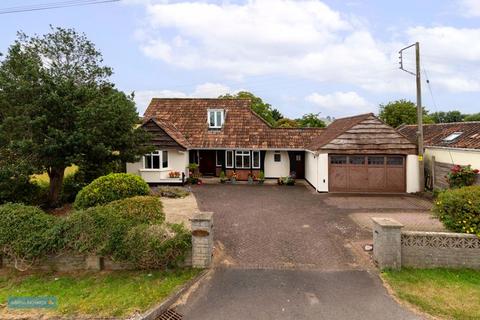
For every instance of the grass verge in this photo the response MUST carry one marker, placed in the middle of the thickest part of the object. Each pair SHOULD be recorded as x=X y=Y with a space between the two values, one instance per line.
x=448 y=293
x=105 y=294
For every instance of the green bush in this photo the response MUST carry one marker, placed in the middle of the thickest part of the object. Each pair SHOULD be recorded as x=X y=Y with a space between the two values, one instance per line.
x=101 y=230
x=461 y=176
x=157 y=246
x=459 y=209
x=27 y=233
x=114 y=186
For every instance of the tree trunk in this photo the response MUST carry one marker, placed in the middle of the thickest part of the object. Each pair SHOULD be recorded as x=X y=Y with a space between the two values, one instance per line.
x=56 y=182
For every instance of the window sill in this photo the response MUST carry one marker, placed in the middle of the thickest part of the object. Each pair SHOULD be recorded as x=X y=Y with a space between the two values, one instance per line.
x=155 y=170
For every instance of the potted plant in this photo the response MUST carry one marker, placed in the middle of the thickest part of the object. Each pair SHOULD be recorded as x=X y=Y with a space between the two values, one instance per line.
x=174 y=174
x=261 y=177
x=233 y=178
x=280 y=181
x=223 y=178
x=251 y=177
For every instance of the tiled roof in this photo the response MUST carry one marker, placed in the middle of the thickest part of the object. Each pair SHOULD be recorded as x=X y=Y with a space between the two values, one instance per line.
x=434 y=134
x=335 y=129
x=243 y=128
x=173 y=132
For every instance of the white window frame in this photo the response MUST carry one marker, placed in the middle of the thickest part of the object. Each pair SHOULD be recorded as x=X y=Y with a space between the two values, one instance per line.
x=216 y=124
x=253 y=161
x=243 y=154
x=279 y=154
x=226 y=159
x=159 y=154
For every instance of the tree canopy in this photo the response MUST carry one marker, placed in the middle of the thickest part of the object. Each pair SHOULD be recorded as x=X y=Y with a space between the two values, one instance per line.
x=311 y=120
x=445 y=117
x=58 y=107
x=400 y=112
x=263 y=109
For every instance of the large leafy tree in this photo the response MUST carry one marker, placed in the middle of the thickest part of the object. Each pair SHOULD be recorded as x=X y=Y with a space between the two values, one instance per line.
x=400 y=112
x=58 y=107
x=472 y=117
x=311 y=120
x=287 y=123
x=446 y=117
x=260 y=107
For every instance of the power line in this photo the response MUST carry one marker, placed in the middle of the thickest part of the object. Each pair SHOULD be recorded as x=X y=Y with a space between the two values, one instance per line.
x=52 y=5
x=427 y=79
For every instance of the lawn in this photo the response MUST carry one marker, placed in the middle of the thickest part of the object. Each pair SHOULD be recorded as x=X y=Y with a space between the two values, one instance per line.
x=43 y=178
x=450 y=294
x=109 y=294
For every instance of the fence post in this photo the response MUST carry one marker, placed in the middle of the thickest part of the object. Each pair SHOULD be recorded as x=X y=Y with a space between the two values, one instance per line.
x=387 y=246
x=202 y=239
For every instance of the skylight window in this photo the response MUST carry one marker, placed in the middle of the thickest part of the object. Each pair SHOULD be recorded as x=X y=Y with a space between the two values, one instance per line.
x=452 y=137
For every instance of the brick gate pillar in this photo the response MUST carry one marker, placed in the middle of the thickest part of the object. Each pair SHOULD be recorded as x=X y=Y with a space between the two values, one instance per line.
x=202 y=239
x=387 y=246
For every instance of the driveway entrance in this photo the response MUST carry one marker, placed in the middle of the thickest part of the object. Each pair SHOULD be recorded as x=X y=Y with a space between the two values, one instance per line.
x=283 y=253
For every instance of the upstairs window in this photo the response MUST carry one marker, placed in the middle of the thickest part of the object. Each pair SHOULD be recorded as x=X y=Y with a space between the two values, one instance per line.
x=216 y=118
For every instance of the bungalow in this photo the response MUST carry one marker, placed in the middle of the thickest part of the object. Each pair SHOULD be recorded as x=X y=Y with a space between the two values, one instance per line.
x=447 y=144
x=354 y=154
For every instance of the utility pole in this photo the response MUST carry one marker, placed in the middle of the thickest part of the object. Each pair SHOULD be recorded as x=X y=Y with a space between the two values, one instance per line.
x=421 y=162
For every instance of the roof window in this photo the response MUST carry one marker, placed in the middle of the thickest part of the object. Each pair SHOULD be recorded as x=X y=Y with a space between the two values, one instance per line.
x=452 y=136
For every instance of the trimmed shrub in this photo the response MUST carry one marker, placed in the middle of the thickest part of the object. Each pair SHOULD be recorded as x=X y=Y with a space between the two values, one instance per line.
x=27 y=233
x=101 y=230
x=114 y=186
x=459 y=209
x=157 y=246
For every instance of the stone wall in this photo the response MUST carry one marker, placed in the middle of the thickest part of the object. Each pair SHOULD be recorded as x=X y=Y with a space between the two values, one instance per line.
x=393 y=248
x=440 y=249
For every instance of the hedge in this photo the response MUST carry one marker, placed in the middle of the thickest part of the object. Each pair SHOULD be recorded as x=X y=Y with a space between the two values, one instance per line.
x=130 y=230
x=27 y=233
x=114 y=186
x=459 y=209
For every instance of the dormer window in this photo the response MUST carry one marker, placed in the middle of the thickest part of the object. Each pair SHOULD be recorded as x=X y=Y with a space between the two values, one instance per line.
x=216 y=117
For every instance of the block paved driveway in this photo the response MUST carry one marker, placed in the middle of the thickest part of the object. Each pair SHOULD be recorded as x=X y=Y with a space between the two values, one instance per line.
x=285 y=253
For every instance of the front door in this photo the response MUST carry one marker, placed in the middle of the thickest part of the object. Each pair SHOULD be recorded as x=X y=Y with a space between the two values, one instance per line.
x=297 y=163
x=207 y=162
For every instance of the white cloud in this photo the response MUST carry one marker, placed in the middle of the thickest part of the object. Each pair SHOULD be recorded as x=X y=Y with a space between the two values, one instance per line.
x=304 y=39
x=205 y=90
x=470 y=8
x=349 y=101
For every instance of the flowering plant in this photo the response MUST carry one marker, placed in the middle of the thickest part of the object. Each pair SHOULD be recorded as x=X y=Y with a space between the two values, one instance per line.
x=174 y=174
x=234 y=176
x=461 y=176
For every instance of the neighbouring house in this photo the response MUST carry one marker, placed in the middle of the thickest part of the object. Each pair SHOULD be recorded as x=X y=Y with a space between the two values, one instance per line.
x=354 y=154
x=447 y=144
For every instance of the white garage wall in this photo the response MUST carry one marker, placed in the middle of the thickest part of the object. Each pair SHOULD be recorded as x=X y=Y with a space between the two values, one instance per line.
x=177 y=161
x=311 y=168
x=413 y=174
x=461 y=157
x=322 y=172
x=316 y=170
x=277 y=169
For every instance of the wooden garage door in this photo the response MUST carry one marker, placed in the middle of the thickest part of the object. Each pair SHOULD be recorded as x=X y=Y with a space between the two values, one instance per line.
x=370 y=173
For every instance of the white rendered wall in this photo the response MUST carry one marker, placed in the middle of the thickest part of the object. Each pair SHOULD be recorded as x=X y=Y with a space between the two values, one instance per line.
x=413 y=174
x=277 y=169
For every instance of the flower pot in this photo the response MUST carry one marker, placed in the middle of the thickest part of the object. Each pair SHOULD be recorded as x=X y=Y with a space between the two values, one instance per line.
x=233 y=180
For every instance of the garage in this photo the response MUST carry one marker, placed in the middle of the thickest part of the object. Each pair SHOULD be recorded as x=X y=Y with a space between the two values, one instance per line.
x=367 y=173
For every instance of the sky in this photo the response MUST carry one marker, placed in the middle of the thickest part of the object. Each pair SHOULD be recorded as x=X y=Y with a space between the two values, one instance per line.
x=332 y=57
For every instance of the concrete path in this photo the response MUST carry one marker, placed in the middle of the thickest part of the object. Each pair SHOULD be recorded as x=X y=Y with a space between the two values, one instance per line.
x=285 y=253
